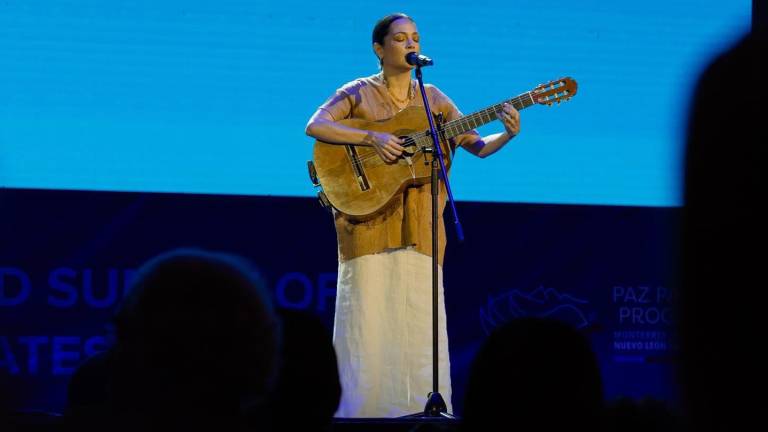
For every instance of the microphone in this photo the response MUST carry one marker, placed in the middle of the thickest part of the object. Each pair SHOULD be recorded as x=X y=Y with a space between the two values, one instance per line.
x=418 y=60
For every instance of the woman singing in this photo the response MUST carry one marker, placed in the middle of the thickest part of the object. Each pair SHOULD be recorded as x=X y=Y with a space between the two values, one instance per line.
x=383 y=319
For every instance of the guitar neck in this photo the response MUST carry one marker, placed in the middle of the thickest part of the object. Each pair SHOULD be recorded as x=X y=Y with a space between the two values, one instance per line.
x=484 y=116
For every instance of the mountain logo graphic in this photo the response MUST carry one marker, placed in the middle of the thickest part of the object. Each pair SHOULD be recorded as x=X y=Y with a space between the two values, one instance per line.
x=541 y=303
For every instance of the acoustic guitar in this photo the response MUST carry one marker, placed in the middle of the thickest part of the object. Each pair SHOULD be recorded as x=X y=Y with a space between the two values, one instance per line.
x=357 y=182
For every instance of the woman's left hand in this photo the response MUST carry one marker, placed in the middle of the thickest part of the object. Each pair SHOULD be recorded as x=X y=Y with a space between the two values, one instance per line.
x=510 y=117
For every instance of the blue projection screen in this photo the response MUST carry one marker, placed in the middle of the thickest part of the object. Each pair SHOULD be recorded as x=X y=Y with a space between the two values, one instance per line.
x=213 y=97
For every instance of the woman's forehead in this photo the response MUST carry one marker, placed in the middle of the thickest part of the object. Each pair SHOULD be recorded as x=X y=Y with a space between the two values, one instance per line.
x=402 y=25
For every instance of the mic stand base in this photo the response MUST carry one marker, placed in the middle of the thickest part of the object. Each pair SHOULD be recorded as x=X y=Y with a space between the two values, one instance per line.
x=435 y=408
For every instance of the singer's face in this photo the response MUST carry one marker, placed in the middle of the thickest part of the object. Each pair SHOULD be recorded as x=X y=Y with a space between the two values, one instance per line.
x=403 y=37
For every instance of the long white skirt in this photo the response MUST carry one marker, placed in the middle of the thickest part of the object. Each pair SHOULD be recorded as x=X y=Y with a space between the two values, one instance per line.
x=383 y=334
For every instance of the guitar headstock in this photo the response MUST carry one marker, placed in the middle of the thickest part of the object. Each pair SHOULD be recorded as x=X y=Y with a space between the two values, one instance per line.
x=555 y=91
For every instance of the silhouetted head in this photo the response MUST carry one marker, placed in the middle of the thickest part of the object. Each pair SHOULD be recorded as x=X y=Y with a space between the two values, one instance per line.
x=724 y=236
x=197 y=332
x=534 y=374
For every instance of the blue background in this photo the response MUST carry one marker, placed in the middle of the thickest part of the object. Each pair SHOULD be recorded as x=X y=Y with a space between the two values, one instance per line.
x=213 y=97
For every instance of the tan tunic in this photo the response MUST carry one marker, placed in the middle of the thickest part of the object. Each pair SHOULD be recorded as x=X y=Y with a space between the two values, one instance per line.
x=408 y=221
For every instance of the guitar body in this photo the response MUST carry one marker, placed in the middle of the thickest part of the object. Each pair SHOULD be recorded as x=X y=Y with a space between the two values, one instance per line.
x=355 y=179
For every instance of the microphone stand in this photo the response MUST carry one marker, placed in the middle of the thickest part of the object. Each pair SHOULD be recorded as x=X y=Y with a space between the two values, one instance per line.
x=435 y=406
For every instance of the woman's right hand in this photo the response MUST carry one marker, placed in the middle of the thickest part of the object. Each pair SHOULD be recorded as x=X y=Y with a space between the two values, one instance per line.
x=388 y=147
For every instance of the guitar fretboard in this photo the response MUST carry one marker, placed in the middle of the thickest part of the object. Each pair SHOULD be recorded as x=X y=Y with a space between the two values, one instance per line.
x=487 y=115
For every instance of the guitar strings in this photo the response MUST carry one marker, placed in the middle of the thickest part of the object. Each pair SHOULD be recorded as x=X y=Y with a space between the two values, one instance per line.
x=453 y=128
x=460 y=125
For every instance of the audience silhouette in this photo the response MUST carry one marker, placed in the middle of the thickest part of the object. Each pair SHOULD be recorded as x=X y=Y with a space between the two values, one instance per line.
x=534 y=374
x=646 y=415
x=197 y=343
x=308 y=391
x=724 y=219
